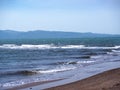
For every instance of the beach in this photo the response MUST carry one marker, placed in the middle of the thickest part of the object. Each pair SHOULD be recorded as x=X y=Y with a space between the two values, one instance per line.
x=108 y=80
x=95 y=77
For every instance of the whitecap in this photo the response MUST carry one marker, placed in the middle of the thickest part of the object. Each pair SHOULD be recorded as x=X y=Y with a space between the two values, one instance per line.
x=60 y=69
x=72 y=46
x=52 y=46
x=116 y=51
x=85 y=61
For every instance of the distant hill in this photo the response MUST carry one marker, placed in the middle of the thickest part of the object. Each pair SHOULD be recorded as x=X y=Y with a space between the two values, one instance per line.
x=10 y=34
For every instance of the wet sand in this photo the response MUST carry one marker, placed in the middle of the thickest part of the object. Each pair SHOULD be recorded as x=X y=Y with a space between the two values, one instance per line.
x=108 y=80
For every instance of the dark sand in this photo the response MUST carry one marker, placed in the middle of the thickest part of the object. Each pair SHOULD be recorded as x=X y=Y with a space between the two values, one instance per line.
x=108 y=80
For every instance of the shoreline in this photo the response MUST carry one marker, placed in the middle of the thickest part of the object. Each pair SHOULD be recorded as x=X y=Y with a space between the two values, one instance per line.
x=31 y=84
x=108 y=80
x=84 y=73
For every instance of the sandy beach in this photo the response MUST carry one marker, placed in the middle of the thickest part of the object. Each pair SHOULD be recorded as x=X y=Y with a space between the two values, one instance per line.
x=108 y=80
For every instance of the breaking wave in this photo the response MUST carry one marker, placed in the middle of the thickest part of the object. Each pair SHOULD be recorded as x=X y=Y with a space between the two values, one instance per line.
x=31 y=72
x=24 y=72
x=116 y=51
x=64 y=66
x=51 y=46
x=73 y=62
x=61 y=69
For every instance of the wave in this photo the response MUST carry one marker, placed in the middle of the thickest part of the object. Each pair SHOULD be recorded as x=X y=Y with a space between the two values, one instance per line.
x=52 y=46
x=85 y=61
x=24 y=72
x=116 y=51
x=83 y=57
x=96 y=57
x=72 y=62
x=42 y=46
x=79 y=62
x=61 y=69
x=25 y=46
x=72 y=46
x=32 y=72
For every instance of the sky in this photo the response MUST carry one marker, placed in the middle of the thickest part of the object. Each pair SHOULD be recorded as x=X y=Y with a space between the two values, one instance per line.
x=97 y=16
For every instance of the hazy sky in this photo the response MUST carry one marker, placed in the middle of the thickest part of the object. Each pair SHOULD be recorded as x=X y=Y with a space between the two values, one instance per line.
x=98 y=16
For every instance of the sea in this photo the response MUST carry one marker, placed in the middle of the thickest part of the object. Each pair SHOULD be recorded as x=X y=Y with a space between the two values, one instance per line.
x=25 y=61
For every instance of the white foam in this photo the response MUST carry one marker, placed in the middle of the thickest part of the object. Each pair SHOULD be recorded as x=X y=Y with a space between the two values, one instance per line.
x=51 y=46
x=72 y=46
x=117 y=47
x=85 y=61
x=57 y=70
x=116 y=51
x=102 y=47
x=27 y=46
x=45 y=46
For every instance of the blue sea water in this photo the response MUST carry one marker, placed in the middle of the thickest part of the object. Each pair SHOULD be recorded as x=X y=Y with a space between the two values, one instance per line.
x=31 y=60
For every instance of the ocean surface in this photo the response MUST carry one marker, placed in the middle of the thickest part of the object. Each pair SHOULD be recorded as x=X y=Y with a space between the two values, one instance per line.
x=32 y=60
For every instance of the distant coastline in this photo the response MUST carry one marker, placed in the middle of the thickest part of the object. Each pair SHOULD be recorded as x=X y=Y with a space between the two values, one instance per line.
x=11 y=34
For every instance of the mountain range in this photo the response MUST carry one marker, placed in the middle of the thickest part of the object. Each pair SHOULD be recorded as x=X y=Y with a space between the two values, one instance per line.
x=11 y=34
